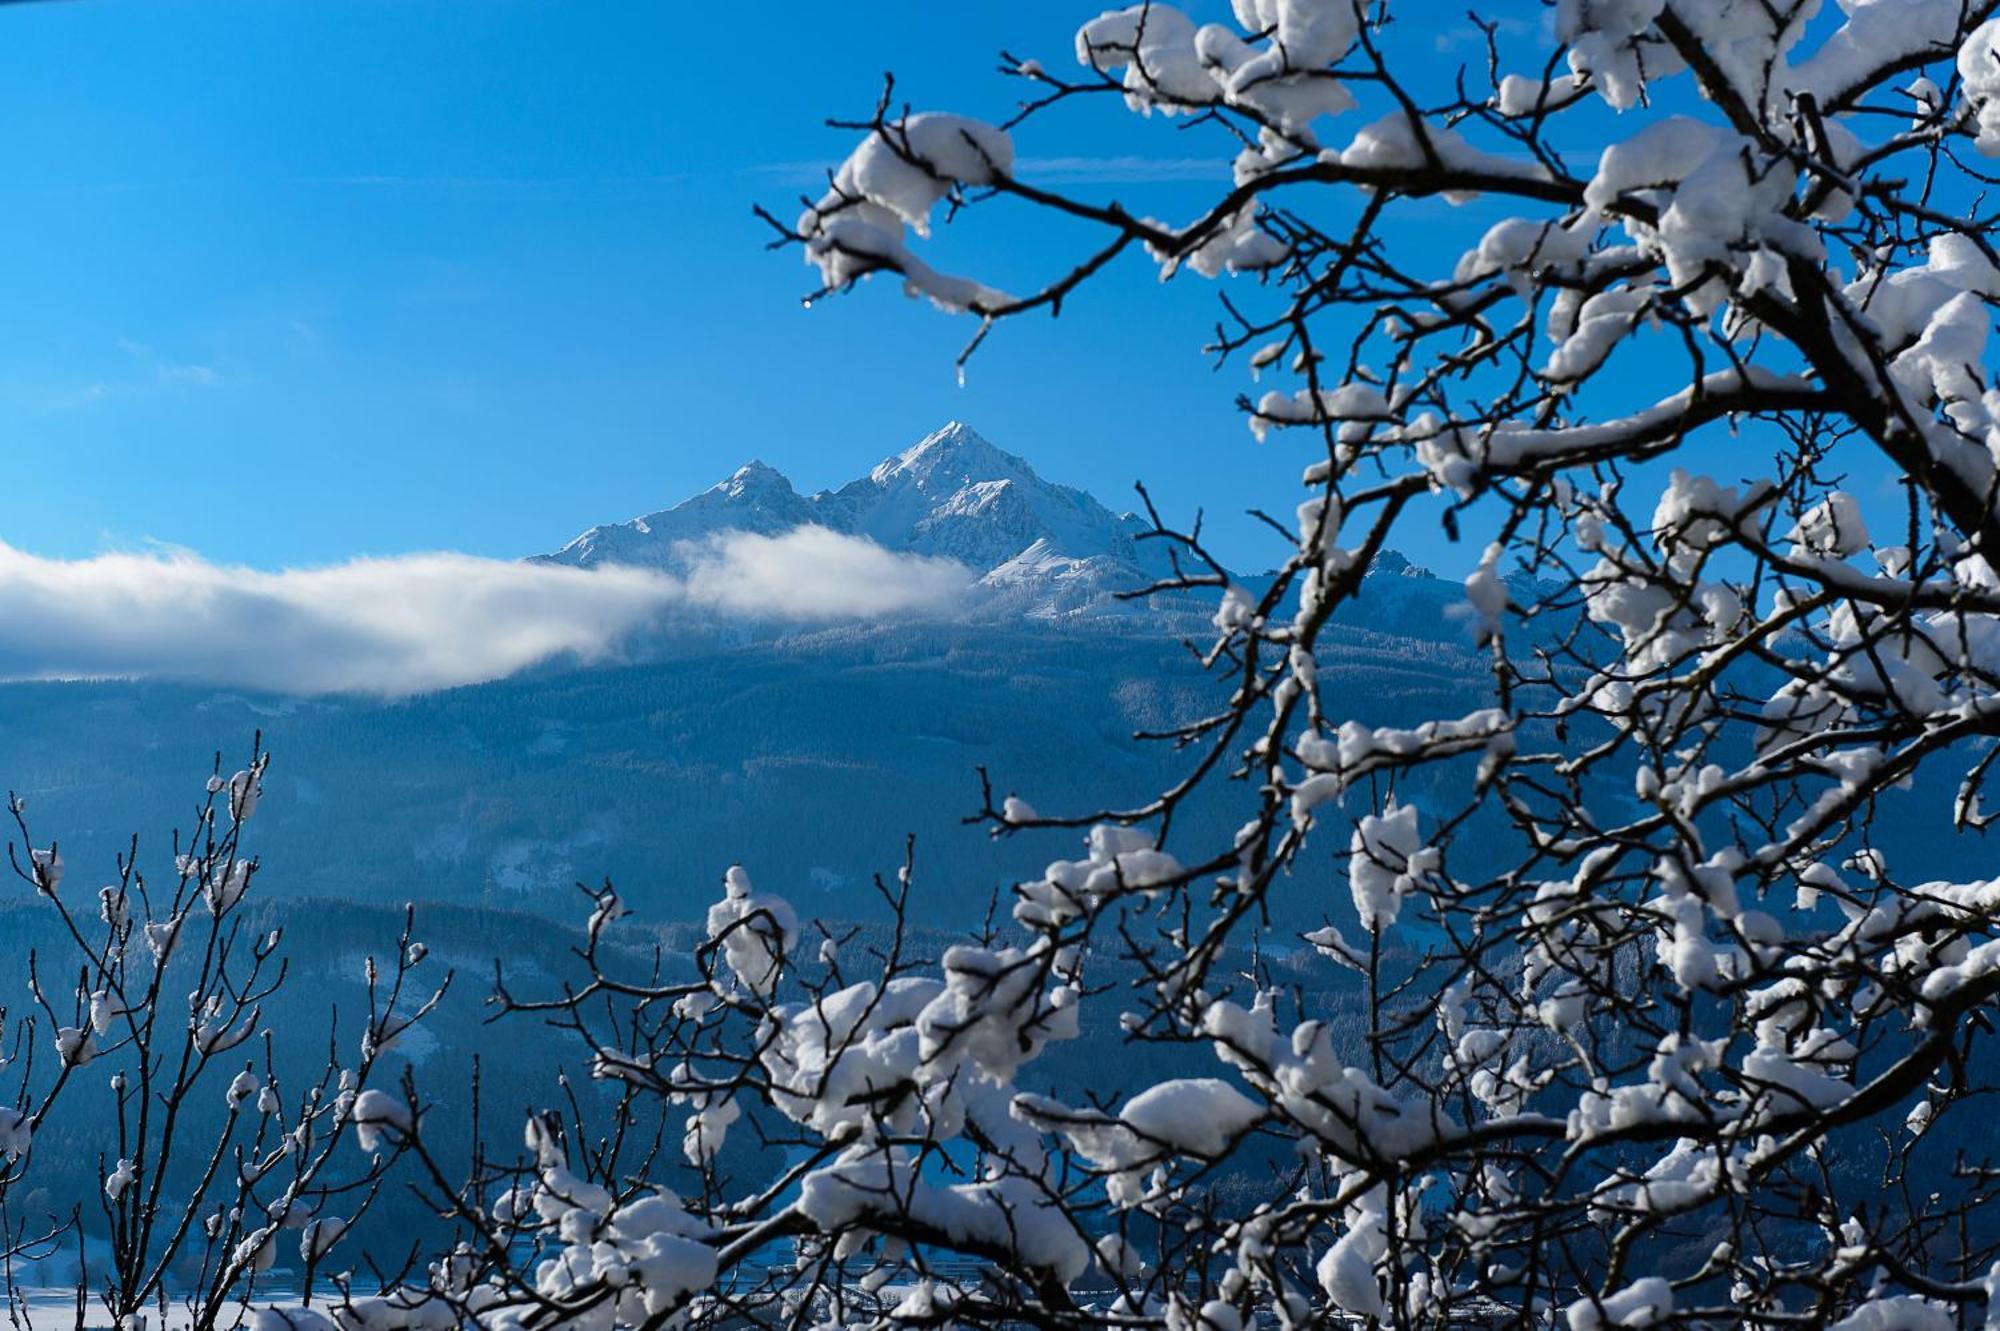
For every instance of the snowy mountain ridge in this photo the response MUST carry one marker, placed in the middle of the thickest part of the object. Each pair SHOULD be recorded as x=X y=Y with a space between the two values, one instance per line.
x=1035 y=549
x=1037 y=546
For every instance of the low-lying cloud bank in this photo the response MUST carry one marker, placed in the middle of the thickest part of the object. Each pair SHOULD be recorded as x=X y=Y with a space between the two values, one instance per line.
x=417 y=622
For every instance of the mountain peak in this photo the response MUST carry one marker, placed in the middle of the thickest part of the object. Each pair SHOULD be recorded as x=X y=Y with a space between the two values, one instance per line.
x=952 y=436
x=956 y=453
x=753 y=477
x=1395 y=563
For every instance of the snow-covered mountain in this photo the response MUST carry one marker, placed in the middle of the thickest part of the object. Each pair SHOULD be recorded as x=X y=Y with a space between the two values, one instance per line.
x=1036 y=547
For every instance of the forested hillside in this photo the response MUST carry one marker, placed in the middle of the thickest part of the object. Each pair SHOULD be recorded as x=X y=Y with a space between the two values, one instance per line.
x=809 y=759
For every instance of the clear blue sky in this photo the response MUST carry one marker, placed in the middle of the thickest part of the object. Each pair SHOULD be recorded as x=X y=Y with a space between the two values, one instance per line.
x=287 y=281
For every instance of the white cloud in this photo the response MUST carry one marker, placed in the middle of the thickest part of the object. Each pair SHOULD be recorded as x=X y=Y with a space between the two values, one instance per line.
x=812 y=573
x=1122 y=170
x=417 y=622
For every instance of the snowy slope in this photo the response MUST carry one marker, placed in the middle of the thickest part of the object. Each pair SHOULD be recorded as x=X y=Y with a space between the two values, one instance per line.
x=757 y=498
x=955 y=494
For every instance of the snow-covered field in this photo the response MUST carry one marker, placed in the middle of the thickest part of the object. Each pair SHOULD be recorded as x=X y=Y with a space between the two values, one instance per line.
x=54 y=1309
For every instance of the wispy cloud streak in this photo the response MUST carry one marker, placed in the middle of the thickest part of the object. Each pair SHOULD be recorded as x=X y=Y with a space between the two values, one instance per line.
x=1069 y=170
